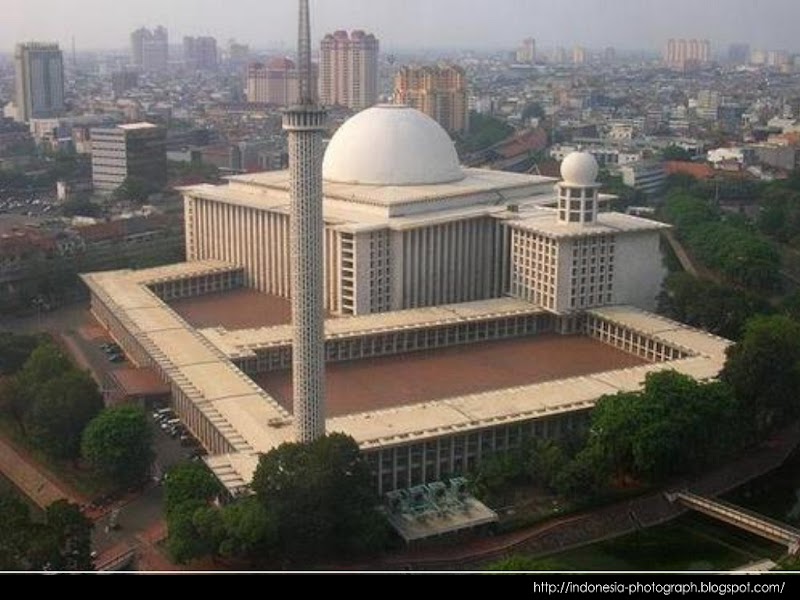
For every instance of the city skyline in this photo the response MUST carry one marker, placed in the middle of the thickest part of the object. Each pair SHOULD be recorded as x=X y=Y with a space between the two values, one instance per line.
x=445 y=24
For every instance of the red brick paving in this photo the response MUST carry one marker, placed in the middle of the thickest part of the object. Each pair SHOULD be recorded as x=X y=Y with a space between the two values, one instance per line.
x=237 y=309
x=365 y=385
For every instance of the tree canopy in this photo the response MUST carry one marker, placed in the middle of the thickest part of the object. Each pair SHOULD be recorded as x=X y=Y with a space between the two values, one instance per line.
x=719 y=309
x=310 y=501
x=52 y=400
x=728 y=245
x=675 y=426
x=117 y=443
x=764 y=370
x=61 y=543
x=322 y=497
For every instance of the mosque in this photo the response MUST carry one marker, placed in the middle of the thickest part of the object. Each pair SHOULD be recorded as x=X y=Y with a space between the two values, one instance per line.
x=422 y=258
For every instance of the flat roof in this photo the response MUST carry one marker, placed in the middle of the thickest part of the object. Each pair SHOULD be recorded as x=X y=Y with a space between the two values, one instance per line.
x=544 y=221
x=234 y=309
x=134 y=126
x=254 y=422
x=365 y=385
x=475 y=181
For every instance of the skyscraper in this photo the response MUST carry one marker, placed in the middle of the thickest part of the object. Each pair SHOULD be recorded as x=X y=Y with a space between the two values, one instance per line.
x=200 y=52
x=39 y=81
x=686 y=54
x=578 y=55
x=440 y=92
x=305 y=124
x=150 y=49
x=526 y=54
x=349 y=70
x=276 y=82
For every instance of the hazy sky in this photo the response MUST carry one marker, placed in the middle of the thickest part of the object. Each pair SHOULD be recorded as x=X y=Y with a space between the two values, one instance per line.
x=646 y=24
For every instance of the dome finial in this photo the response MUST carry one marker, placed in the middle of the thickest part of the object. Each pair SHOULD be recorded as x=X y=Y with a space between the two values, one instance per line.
x=579 y=169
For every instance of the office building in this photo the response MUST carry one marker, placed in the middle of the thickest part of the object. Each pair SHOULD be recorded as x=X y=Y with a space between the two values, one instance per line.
x=348 y=71
x=137 y=151
x=440 y=92
x=682 y=55
x=526 y=54
x=39 y=81
x=150 y=49
x=200 y=53
x=123 y=81
x=578 y=55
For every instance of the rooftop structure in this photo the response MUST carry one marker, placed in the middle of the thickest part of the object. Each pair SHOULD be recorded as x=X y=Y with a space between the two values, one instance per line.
x=236 y=419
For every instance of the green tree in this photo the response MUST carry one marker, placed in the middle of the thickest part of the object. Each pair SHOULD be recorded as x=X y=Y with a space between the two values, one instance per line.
x=81 y=207
x=674 y=152
x=676 y=425
x=250 y=529
x=185 y=541
x=764 y=370
x=718 y=309
x=15 y=531
x=533 y=110
x=15 y=350
x=545 y=461
x=322 y=497
x=484 y=131
x=190 y=481
x=72 y=531
x=135 y=189
x=61 y=410
x=62 y=542
x=118 y=444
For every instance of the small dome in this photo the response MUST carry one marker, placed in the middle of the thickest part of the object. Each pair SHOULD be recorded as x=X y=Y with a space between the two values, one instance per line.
x=579 y=169
x=391 y=145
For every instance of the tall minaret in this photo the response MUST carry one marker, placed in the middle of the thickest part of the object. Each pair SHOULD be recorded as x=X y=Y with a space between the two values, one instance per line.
x=305 y=126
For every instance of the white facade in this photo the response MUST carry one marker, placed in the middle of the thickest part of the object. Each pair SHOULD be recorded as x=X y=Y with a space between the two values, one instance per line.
x=415 y=235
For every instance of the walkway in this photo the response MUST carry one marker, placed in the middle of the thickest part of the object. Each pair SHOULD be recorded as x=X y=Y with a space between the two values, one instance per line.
x=680 y=253
x=740 y=517
x=34 y=481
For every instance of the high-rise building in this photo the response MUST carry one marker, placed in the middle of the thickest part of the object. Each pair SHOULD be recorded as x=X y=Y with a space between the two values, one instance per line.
x=137 y=151
x=440 y=92
x=578 y=55
x=200 y=53
x=687 y=54
x=238 y=53
x=305 y=124
x=150 y=49
x=349 y=70
x=526 y=54
x=738 y=54
x=122 y=81
x=560 y=56
x=39 y=81
x=276 y=82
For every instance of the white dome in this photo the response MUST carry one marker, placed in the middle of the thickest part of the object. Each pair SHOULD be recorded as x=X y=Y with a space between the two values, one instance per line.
x=579 y=169
x=391 y=145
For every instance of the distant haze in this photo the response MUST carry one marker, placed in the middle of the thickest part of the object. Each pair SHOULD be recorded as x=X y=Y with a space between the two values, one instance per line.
x=409 y=24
